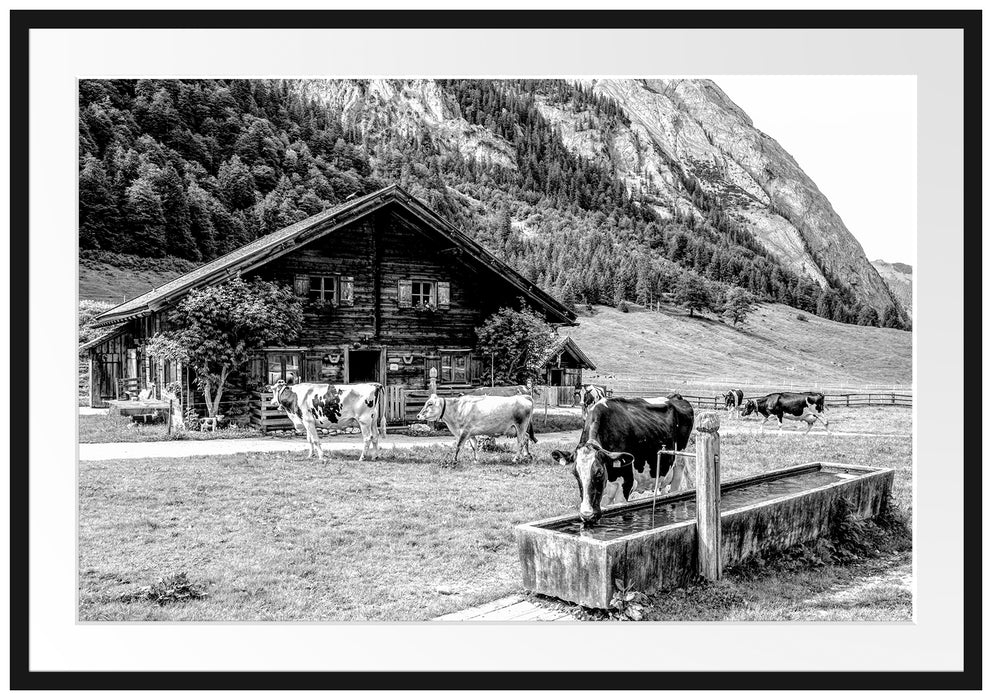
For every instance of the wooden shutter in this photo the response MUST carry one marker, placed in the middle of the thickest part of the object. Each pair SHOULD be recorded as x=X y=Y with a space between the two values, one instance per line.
x=348 y=291
x=444 y=295
x=405 y=294
x=301 y=285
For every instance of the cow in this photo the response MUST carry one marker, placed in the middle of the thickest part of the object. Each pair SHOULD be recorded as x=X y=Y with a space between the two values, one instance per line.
x=516 y=390
x=802 y=406
x=469 y=416
x=588 y=394
x=617 y=453
x=312 y=406
x=733 y=400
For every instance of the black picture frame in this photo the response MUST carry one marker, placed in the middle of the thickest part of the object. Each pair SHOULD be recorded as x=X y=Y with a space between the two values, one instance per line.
x=21 y=22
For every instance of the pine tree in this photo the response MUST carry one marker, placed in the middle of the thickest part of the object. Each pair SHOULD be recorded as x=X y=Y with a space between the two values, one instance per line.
x=179 y=239
x=237 y=187
x=99 y=216
x=145 y=218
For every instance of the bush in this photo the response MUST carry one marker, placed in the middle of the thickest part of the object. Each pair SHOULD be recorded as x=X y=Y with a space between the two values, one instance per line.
x=623 y=306
x=802 y=317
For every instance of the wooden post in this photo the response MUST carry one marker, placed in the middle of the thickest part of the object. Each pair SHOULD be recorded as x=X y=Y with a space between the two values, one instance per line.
x=168 y=425
x=708 y=496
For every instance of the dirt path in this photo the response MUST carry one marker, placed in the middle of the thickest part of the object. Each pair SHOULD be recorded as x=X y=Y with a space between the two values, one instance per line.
x=91 y=452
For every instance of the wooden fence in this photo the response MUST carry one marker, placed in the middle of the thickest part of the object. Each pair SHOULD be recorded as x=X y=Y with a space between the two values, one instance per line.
x=859 y=400
x=402 y=406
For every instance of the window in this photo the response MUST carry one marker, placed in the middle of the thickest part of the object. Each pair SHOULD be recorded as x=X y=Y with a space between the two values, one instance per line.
x=323 y=289
x=422 y=293
x=285 y=367
x=454 y=367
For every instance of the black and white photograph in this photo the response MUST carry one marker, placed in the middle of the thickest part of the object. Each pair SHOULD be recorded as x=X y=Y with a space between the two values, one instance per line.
x=496 y=349
x=412 y=348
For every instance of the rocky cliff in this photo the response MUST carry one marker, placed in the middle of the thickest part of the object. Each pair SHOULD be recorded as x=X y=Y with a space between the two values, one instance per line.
x=899 y=278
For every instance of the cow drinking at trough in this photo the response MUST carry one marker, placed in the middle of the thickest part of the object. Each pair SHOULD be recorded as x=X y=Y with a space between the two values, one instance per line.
x=313 y=406
x=802 y=406
x=733 y=400
x=469 y=416
x=617 y=452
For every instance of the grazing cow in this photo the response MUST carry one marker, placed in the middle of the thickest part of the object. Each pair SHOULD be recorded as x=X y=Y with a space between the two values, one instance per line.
x=588 y=394
x=617 y=452
x=468 y=416
x=312 y=406
x=498 y=391
x=805 y=406
x=733 y=400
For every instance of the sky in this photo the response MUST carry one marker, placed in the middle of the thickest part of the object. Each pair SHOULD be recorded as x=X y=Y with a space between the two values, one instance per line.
x=855 y=136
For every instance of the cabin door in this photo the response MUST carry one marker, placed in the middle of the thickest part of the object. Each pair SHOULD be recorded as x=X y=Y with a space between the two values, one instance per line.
x=364 y=366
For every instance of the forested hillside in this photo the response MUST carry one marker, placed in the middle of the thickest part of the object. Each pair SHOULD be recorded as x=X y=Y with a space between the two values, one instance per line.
x=193 y=169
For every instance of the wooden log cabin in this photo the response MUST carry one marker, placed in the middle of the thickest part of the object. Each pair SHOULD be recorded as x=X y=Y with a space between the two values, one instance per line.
x=391 y=291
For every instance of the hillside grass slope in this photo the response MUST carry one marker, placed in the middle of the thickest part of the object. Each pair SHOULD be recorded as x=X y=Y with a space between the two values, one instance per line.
x=773 y=349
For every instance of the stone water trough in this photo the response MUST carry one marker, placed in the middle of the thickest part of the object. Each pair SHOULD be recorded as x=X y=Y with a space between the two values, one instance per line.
x=651 y=549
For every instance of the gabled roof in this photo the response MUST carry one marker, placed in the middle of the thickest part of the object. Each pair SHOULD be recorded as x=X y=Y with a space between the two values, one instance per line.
x=113 y=333
x=283 y=241
x=564 y=343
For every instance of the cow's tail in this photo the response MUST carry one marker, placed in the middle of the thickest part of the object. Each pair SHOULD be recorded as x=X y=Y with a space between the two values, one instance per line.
x=379 y=402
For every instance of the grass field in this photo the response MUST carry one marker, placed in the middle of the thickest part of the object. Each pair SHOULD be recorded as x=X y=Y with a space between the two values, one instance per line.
x=105 y=428
x=772 y=351
x=280 y=537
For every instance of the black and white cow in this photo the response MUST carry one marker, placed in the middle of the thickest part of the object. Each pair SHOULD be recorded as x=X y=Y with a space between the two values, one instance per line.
x=312 y=406
x=617 y=452
x=804 y=406
x=733 y=400
x=588 y=394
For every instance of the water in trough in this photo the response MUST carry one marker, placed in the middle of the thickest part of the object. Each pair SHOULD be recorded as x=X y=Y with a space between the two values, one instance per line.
x=639 y=518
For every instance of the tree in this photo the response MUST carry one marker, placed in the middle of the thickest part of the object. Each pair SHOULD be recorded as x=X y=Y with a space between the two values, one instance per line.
x=738 y=303
x=519 y=343
x=215 y=329
x=867 y=316
x=237 y=187
x=890 y=319
x=99 y=218
x=692 y=294
x=146 y=217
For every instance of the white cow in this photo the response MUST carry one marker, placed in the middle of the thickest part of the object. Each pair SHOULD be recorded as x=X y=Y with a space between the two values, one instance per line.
x=468 y=416
x=312 y=406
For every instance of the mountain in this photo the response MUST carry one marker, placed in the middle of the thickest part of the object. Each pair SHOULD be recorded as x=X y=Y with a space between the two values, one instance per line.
x=899 y=278
x=598 y=190
x=676 y=135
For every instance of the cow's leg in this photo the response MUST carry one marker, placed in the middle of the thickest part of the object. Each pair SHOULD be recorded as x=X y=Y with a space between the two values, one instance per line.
x=313 y=438
x=459 y=440
x=366 y=438
x=473 y=442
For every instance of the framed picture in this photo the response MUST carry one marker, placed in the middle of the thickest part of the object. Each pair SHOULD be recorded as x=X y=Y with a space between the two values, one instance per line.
x=693 y=280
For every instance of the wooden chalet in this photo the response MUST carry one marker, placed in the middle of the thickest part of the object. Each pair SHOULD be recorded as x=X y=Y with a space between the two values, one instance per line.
x=392 y=291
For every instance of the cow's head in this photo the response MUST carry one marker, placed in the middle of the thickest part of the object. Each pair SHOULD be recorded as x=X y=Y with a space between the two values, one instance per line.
x=750 y=406
x=593 y=467
x=434 y=408
x=276 y=390
x=815 y=401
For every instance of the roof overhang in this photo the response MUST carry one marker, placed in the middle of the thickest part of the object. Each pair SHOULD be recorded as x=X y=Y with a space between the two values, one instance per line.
x=321 y=226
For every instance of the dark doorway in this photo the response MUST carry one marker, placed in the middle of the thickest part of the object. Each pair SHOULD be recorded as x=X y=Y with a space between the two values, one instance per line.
x=557 y=377
x=363 y=366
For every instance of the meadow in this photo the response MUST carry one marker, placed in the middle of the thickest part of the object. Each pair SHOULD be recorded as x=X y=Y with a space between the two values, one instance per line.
x=410 y=537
